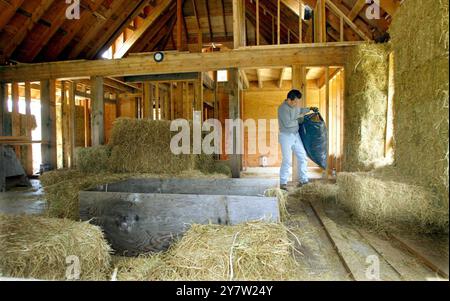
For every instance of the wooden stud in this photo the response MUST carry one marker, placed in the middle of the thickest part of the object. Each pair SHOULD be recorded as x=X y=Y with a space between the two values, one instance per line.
x=71 y=106
x=29 y=159
x=341 y=28
x=328 y=116
x=97 y=118
x=48 y=122
x=3 y=106
x=300 y=22
x=179 y=24
x=15 y=119
x=234 y=113
x=157 y=102
x=299 y=83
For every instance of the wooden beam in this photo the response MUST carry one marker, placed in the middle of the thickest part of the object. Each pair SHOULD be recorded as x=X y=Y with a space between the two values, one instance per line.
x=279 y=22
x=282 y=74
x=48 y=122
x=262 y=57
x=155 y=12
x=357 y=8
x=244 y=78
x=15 y=116
x=29 y=159
x=234 y=113
x=224 y=17
x=115 y=28
x=20 y=26
x=257 y=23
x=259 y=76
x=208 y=14
x=350 y=23
x=300 y=21
x=72 y=122
x=239 y=23
x=328 y=116
x=341 y=29
x=3 y=106
x=179 y=24
x=97 y=103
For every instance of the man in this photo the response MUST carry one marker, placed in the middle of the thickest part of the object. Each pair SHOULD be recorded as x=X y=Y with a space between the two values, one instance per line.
x=289 y=116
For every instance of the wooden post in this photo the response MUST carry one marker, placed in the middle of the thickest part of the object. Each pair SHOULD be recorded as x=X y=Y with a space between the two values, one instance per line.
x=147 y=99
x=216 y=100
x=238 y=23
x=97 y=120
x=64 y=125
x=172 y=105
x=157 y=102
x=48 y=122
x=3 y=106
x=29 y=160
x=341 y=28
x=328 y=117
x=15 y=118
x=234 y=113
x=200 y=101
x=278 y=22
x=2 y=170
x=72 y=91
x=299 y=83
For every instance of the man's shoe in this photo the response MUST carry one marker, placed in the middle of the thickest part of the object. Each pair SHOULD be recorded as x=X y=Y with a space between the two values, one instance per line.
x=283 y=187
x=300 y=184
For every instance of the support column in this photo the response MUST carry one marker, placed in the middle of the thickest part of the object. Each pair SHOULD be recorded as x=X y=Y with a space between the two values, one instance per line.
x=29 y=148
x=233 y=98
x=97 y=119
x=299 y=83
x=71 y=115
x=48 y=122
x=3 y=106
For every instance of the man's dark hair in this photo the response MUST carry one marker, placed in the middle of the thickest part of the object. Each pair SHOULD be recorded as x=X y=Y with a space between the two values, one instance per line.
x=293 y=94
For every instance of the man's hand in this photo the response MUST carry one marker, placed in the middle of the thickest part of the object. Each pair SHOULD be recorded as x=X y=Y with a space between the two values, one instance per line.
x=314 y=109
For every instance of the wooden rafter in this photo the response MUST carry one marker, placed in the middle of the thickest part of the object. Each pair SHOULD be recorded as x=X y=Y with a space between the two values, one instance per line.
x=224 y=17
x=350 y=23
x=6 y=13
x=155 y=12
x=104 y=41
x=209 y=20
x=94 y=30
x=69 y=29
x=359 y=5
x=20 y=25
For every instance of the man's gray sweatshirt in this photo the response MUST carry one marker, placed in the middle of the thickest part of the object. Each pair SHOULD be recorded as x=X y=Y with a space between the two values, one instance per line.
x=288 y=117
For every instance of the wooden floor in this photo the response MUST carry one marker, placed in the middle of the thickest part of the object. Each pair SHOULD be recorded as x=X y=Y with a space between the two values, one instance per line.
x=329 y=245
x=334 y=248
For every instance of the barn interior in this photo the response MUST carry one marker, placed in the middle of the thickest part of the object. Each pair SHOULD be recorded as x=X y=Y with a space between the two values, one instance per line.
x=92 y=93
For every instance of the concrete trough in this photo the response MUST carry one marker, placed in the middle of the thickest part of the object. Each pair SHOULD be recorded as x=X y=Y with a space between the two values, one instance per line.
x=146 y=215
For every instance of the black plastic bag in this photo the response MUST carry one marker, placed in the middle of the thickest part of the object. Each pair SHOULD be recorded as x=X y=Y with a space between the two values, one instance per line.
x=314 y=134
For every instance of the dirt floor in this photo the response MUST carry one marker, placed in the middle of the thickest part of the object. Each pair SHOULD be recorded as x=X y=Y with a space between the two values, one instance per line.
x=329 y=245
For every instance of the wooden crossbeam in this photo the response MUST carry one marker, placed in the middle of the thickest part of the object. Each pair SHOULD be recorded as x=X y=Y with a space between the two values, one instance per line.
x=261 y=57
x=282 y=74
x=259 y=76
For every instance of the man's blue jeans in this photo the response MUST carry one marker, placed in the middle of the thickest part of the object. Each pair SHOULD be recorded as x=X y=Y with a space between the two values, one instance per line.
x=292 y=142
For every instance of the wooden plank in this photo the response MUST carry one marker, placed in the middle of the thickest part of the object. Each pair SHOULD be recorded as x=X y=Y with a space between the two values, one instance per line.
x=157 y=102
x=323 y=54
x=300 y=21
x=425 y=249
x=2 y=170
x=179 y=24
x=15 y=114
x=162 y=77
x=351 y=247
x=48 y=122
x=257 y=23
x=147 y=99
x=259 y=76
x=29 y=160
x=97 y=120
x=282 y=74
x=409 y=268
x=328 y=117
x=239 y=37
x=299 y=83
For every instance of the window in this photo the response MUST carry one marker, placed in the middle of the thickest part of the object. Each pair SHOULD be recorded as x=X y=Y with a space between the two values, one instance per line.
x=222 y=76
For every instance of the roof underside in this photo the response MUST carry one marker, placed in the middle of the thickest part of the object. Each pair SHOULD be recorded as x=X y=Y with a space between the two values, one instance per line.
x=39 y=31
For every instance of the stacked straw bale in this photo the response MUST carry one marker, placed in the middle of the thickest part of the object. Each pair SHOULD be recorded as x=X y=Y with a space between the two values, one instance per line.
x=37 y=247
x=421 y=120
x=366 y=80
x=384 y=199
